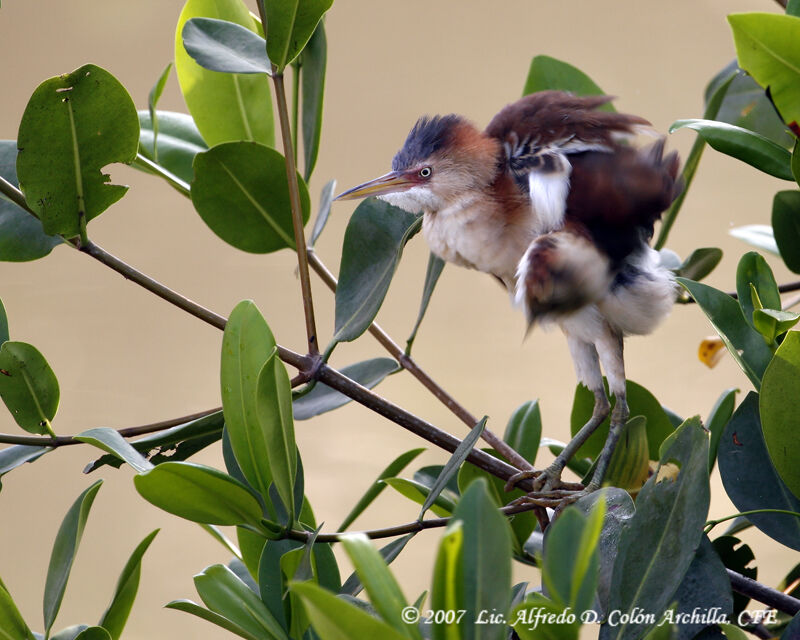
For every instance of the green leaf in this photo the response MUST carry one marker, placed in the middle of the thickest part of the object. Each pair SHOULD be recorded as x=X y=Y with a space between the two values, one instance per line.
x=336 y=619
x=759 y=236
x=570 y=562
x=13 y=457
x=750 y=479
x=64 y=549
x=291 y=24
x=700 y=263
x=754 y=270
x=555 y=626
x=451 y=468
x=178 y=142
x=324 y=210
x=719 y=416
x=435 y=266
x=4 y=336
x=73 y=126
x=21 y=235
x=247 y=344
x=353 y=586
x=227 y=47
x=549 y=73
x=323 y=398
x=786 y=227
x=796 y=161
x=641 y=403
x=221 y=621
x=524 y=430
x=274 y=411
x=486 y=561
x=736 y=556
x=742 y=144
x=272 y=581
x=312 y=80
x=443 y=505
x=373 y=245
x=629 y=467
x=375 y=489
x=199 y=493
x=93 y=633
x=241 y=193
x=766 y=45
x=772 y=323
x=793 y=628
x=779 y=405
x=381 y=586
x=12 y=625
x=109 y=440
x=744 y=343
x=227 y=595
x=152 y=103
x=28 y=387
x=447 y=592
x=659 y=543
x=226 y=107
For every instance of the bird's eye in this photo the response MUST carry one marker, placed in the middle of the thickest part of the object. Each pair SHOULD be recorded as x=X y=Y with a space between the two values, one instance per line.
x=425 y=172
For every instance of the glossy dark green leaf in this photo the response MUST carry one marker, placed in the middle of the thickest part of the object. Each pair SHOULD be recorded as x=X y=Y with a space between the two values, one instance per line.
x=375 y=489
x=659 y=543
x=641 y=403
x=116 y=615
x=373 y=245
x=381 y=586
x=226 y=107
x=759 y=236
x=486 y=561
x=223 y=593
x=22 y=237
x=750 y=479
x=199 y=493
x=323 y=398
x=312 y=80
x=738 y=557
x=705 y=587
x=766 y=45
x=434 y=270
x=291 y=24
x=12 y=624
x=323 y=212
x=745 y=345
x=246 y=345
x=28 y=387
x=786 y=227
x=720 y=413
x=796 y=162
x=742 y=144
x=451 y=467
x=73 y=127
x=219 y=45
x=65 y=547
x=109 y=440
x=201 y=612
x=524 y=430
x=700 y=263
x=549 y=73
x=443 y=505
x=274 y=412
x=241 y=193
x=754 y=270
x=792 y=630
x=353 y=586
x=14 y=456
x=447 y=592
x=178 y=142
x=272 y=581
x=571 y=559
x=4 y=334
x=337 y=619
x=779 y=406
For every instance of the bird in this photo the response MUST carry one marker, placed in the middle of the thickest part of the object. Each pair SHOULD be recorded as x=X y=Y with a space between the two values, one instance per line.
x=555 y=201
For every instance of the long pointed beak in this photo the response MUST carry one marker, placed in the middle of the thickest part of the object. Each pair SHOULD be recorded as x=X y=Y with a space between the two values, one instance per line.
x=392 y=182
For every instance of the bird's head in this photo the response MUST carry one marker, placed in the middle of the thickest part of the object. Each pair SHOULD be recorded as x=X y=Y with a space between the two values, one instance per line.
x=443 y=159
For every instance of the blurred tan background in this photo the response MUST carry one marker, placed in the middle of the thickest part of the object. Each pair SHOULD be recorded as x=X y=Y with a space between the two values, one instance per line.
x=125 y=358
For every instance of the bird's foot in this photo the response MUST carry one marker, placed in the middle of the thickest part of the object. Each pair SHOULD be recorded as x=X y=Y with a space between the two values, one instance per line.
x=544 y=480
x=557 y=499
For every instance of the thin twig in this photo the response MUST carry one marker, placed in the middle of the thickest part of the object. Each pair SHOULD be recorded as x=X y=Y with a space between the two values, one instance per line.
x=764 y=594
x=297 y=213
x=128 y=432
x=782 y=288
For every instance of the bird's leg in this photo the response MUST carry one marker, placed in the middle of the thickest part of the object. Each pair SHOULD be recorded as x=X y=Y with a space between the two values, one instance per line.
x=587 y=368
x=618 y=419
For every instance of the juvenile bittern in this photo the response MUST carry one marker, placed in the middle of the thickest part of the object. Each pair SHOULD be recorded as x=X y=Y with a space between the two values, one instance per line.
x=552 y=201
